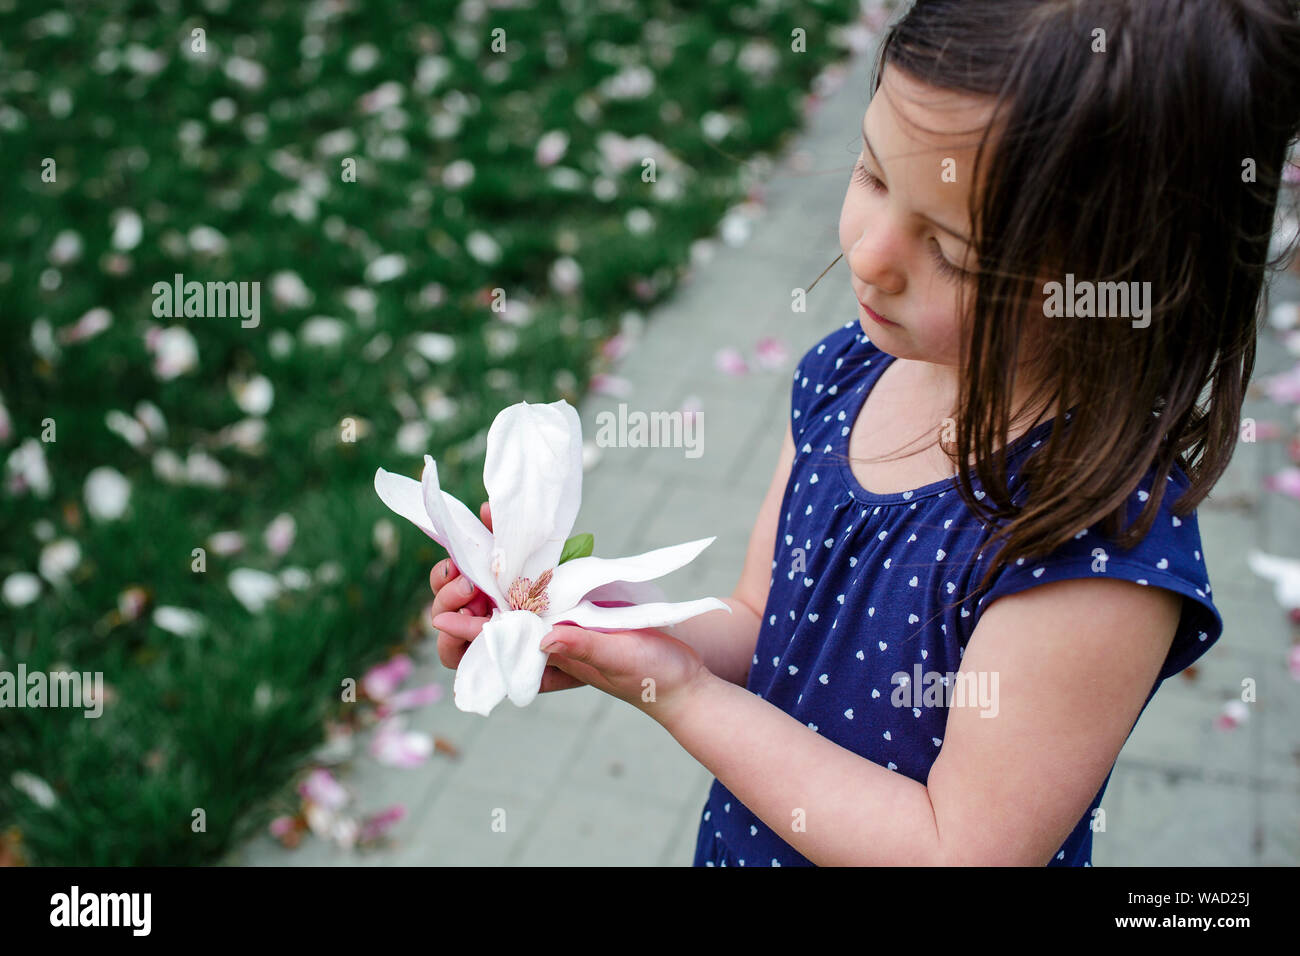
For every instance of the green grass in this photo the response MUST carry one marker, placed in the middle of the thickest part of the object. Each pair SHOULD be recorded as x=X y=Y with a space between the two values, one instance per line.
x=184 y=729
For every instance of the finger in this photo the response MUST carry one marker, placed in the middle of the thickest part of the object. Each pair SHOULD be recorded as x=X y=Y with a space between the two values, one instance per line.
x=460 y=624
x=480 y=605
x=441 y=573
x=451 y=650
x=485 y=515
x=453 y=596
x=555 y=679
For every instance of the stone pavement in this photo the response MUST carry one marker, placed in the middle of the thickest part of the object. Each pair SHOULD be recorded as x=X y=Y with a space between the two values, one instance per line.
x=584 y=779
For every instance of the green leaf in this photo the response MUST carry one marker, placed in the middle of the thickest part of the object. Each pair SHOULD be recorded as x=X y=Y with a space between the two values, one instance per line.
x=578 y=546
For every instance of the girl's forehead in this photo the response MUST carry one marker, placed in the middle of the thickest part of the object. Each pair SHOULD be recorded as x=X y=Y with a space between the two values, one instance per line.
x=922 y=116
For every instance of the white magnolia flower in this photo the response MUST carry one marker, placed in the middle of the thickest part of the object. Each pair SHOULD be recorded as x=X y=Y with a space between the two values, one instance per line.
x=435 y=346
x=120 y=423
x=533 y=476
x=152 y=419
x=66 y=248
x=59 y=559
x=253 y=589
x=288 y=291
x=107 y=494
x=204 y=470
x=226 y=542
x=482 y=247
x=385 y=268
x=322 y=331
x=254 y=396
x=279 y=534
x=21 y=589
x=27 y=468
x=175 y=351
x=178 y=620
x=34 y=787
x=127 y=229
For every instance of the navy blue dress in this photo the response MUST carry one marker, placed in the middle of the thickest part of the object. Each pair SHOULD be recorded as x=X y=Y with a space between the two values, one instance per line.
x=874 y=598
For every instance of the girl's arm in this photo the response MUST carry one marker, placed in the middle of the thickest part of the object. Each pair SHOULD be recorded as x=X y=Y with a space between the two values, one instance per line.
x=725 y=642
x=1075 y=661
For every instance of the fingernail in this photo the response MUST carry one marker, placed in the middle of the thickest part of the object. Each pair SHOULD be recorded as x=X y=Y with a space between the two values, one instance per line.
x=466 y=586
x=464 y=610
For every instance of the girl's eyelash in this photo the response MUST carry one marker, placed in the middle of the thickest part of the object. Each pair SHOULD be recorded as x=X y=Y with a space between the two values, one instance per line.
x=861 y=175
x=946 y=268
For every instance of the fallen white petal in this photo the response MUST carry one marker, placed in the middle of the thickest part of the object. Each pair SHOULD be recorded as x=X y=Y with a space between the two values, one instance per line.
x=21 y=589
x=252 y=588
x=107 y=494
x=178 y=620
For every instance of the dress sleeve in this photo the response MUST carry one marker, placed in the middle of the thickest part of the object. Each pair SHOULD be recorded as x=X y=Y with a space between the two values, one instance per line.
x=822 y=368
x=1169 y=557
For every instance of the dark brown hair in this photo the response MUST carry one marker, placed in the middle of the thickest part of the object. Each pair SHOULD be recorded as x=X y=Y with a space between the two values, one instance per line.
x=1122 y=163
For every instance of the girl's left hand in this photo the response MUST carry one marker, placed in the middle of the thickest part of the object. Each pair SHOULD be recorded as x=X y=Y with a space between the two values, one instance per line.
x=647 y=668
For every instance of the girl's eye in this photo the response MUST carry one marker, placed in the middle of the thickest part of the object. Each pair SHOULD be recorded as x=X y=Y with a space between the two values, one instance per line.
x=861 y=175
x=946 y=268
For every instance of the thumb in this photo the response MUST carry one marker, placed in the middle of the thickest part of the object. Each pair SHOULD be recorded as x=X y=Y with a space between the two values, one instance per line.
x=569 y=641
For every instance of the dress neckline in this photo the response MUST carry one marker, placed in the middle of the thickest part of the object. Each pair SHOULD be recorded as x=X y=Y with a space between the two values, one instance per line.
x=1029 y=439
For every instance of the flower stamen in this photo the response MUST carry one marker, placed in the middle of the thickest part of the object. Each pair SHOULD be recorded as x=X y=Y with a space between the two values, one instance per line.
x=525 y=595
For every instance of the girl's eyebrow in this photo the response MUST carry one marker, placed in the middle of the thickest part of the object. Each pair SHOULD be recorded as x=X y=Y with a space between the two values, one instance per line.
x=881 y=166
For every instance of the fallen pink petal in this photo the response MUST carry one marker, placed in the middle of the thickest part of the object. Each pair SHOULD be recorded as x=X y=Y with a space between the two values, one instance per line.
x=728 y=361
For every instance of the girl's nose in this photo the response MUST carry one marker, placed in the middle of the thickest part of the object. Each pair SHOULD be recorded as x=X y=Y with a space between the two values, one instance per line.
x=874 y=258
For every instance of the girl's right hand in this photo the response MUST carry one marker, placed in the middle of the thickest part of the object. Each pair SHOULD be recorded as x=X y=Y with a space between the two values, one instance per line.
x=460 y=610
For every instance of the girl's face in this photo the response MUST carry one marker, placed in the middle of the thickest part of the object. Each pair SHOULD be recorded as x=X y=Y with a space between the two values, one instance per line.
x=904 y=226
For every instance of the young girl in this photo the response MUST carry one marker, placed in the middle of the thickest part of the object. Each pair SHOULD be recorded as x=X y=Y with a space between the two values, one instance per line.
x=927 y=664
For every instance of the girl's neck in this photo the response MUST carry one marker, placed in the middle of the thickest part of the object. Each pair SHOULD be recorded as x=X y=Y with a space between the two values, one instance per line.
x=943 y=379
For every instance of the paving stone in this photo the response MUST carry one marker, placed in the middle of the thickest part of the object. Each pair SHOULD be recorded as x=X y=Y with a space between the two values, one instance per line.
x=1178 y=732
x=1227 y=536
x=1279 y=827
x=631 y=756
x=586 y=826
x=1256 y=624
x=471 y=825
x=681 y=851
x=1164 y=819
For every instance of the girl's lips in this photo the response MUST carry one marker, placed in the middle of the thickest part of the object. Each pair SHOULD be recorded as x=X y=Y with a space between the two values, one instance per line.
x=875 y=315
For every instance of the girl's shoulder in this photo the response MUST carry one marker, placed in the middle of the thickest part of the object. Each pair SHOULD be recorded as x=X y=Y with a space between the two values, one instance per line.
x=832 y=351
x=840 y=359
x=1169 y=556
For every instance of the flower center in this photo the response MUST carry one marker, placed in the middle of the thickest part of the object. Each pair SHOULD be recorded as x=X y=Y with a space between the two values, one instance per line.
x=525 y=595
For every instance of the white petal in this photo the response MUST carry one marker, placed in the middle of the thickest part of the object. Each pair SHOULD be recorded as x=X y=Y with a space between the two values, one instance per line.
x=404 y=497
x=21 y=589
x=467 y=541
x=252 y=588
x=590 y=615
x=533 y=475
x=632 y=592
x=574 y=579
x=107 y=494
x=504 y=660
